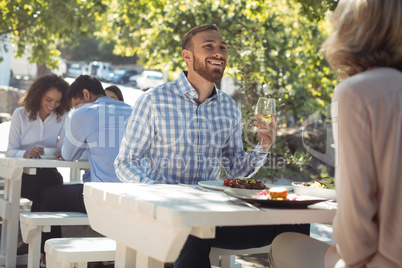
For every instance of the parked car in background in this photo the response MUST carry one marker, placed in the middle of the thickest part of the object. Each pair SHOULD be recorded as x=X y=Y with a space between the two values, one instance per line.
x=74 y=70
x=150 y=79
x=100 y=70
x=132 y=80
x=85 y=70
x=122 y=76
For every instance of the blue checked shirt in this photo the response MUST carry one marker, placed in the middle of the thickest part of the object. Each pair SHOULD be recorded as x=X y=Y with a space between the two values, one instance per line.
x=171 y=138
x=98 y=128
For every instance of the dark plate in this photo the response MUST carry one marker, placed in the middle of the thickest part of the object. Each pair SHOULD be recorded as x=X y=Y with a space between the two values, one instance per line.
x=246 y=195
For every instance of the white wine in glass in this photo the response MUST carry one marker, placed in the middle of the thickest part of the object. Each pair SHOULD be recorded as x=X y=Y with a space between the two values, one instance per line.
x=264 y=109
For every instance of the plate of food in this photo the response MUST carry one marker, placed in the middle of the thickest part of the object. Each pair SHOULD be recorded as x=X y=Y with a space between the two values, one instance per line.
x=221 y=185
x=323 y=188
x=275 y=197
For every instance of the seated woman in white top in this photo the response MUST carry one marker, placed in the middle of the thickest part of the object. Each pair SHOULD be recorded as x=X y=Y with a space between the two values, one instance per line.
x=39 y=124
x=366 y=50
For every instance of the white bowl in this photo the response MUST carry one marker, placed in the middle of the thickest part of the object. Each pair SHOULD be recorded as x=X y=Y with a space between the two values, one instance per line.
x=317 y=192
x=49 y=152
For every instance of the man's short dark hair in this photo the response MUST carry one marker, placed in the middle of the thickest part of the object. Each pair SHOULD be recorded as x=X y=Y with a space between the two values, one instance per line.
x=186 y=44
x=88 y=82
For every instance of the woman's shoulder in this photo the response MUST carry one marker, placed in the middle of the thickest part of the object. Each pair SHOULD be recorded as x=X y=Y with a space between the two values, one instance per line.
x=376 y=77
x=19 y=110
x=371 y=83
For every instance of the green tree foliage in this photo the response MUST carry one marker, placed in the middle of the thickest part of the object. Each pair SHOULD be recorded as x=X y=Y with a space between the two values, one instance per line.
x=273 y=50
x=274 y=45
x=90 y=49
x=315 y=10
x=39 y=26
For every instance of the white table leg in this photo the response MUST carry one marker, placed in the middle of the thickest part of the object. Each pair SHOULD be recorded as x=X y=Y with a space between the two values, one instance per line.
x=129 y=258
x=34 y=249
x=144 y=261
x=9 y=238
x=125 y=256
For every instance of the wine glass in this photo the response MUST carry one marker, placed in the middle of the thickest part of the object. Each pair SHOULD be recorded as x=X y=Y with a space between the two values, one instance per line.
x=264 y=109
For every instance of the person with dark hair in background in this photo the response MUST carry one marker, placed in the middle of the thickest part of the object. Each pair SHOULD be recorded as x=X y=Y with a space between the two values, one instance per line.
x=96 y=126
x=190 y=120
x=37 y=125
x=365 y=50
x=114 y=92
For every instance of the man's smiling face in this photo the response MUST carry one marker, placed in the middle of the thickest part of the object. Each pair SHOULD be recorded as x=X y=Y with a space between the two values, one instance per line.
x=209 y=55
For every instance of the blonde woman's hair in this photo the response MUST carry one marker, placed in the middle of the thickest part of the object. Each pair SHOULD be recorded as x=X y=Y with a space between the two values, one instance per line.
x=366 y=34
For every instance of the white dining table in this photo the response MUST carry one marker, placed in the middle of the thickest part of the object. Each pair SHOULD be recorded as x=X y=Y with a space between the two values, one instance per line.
x=151 y=223
x=11 y=170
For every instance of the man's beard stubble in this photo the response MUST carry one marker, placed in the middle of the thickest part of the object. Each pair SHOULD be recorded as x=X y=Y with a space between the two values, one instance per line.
x=209 y=75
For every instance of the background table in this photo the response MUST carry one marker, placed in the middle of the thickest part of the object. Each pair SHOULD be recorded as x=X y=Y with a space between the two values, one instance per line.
x=151 y=223
x=11 y=170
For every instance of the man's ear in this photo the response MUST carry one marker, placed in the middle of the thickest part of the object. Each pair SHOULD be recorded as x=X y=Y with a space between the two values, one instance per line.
x=86 y=94
x=187 y=55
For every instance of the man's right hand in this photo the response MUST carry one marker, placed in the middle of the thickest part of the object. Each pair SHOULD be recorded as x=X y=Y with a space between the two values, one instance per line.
x=35 y=152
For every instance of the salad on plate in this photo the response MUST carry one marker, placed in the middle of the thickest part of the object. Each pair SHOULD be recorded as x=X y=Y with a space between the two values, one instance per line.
x=324 y=183
x=324 y=188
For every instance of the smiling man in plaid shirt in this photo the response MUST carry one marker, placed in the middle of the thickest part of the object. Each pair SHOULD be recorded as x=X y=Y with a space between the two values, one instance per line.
x=184 y=131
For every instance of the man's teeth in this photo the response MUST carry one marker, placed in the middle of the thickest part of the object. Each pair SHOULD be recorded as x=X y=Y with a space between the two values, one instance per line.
x=216 y=63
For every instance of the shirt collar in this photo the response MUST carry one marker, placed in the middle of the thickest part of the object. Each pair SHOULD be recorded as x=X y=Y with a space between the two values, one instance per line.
x=103 y=98
x=50 y=116
x=185 y=88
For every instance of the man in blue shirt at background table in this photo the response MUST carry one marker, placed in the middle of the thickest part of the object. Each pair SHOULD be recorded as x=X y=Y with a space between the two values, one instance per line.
x=97 y=127
x=185 y=130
